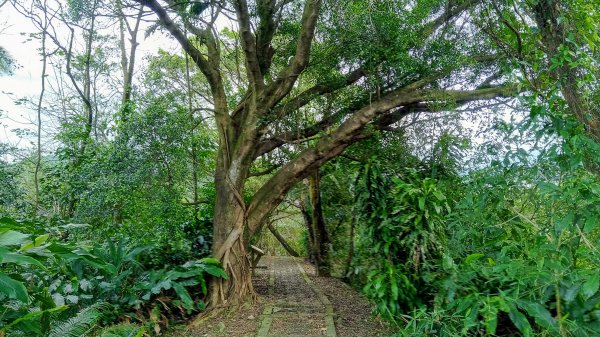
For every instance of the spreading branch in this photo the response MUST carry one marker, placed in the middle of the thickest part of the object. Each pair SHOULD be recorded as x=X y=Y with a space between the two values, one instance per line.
x=248 y=45
x=350 y=131
x=281 y=87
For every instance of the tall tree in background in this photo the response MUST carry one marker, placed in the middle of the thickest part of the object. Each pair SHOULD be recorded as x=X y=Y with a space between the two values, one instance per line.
x=389 y=60
x=560 y=40
x=6 y=62
x=128 y=58
x=555 y=44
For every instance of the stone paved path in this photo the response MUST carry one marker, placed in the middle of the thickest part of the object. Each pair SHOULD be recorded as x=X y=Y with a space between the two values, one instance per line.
x=296 y=306
x=293 y=302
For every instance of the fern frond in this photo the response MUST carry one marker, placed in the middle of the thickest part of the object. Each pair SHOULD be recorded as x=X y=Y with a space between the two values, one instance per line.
x=81 y=324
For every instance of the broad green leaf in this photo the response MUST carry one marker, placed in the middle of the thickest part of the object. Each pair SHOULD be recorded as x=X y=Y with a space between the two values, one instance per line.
x=184 y=295
x=215 y=271
x=473 y=257
x=13 y=288
x=570 y=293
x=546 y=187
x=394 y=288
x=34 y=314
x=136 y=251
x=37 y=242
x=491 y=320
x=520 y=321
x=203 y=286
x=19 y=259
x=590 y=287
x=211 y=260
x=12 y=238
x=541 y=315
x=9 y=223
x=421 y=203
x=590 y=224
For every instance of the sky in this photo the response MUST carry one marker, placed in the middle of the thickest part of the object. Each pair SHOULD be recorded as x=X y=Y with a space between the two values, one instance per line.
x=26 y=82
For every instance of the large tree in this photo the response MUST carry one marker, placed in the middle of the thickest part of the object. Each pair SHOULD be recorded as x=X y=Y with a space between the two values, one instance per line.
x=313 y=77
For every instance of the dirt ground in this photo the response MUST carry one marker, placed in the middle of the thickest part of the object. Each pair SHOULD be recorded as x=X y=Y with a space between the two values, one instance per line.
x=288 y=305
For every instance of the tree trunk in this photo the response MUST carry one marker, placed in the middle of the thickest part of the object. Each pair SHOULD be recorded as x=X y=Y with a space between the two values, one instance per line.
x=229 y=239
x=350 y=256
x=547 y=14
x=320 y=235
x=308 y=222
x=38 y=159
x=281 y=240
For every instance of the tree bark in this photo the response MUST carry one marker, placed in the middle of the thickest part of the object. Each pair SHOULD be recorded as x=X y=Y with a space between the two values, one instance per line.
x=229 y=239
x=128 y=62
x=308 y=222
x=38 y=161
x=320 y=235
x=350 y=256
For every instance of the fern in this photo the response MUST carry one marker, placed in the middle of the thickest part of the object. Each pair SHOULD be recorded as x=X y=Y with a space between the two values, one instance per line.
x=81 y=324
x=123 y=330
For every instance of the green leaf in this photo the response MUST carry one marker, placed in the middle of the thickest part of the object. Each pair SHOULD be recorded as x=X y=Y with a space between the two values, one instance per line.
x=546 y=187
x=203 y=286
x=184 y=295
x=590 y=287
x=491 y=320
x=520 y=321
x=473 y=257
x=12 y=238
x=211 y=260
x=9 y=223
x=565 y=222
x=34 y=314
x=13 y=288
x=19 y=259
x=35 y=243
x=541 y=315
x=570 y=293
x=215 y=271
x=394 y=287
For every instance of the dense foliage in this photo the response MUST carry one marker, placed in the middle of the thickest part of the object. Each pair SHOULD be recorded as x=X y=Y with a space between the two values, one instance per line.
x=57 y=287
x=441 y=156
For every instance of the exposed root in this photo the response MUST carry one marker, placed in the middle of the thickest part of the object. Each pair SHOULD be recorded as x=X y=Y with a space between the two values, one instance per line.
x=207 y=315
x=238 y=288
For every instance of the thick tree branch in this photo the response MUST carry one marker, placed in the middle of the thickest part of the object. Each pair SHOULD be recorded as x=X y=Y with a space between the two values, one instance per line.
x=277 y=90
x=248 y=45
x=452 y=12
x=282 y=240
x=264 y=35
x=278 y=140
x=264 y=172
x=318 y=90
x=351 y=130
x=305 y=97
x=195 y=203
x=185 y=43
